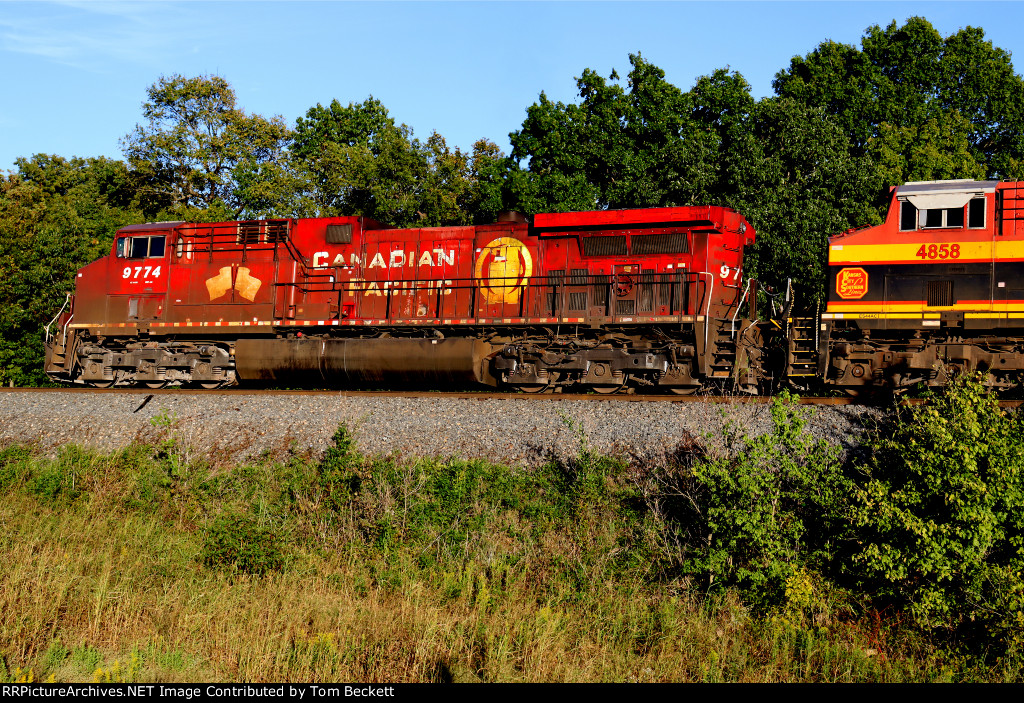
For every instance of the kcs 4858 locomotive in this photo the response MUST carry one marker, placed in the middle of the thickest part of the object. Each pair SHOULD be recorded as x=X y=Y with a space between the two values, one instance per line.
x=938 y=289
x=609 y=301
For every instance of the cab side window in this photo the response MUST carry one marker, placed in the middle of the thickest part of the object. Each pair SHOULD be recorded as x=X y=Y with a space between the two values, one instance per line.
x=911 y=218
x=141 y=247
x=976 y=213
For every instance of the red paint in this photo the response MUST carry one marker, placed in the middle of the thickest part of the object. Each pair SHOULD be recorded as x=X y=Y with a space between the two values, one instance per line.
x=285 y=271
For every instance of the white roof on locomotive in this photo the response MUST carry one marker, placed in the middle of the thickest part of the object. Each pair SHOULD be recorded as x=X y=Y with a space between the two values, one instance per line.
x=931 y=195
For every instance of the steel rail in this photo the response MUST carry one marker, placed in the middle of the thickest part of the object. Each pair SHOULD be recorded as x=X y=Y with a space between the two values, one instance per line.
x=487 y=395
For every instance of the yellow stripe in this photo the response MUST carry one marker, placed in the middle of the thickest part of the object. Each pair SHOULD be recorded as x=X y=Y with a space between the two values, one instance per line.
x=875 y=316
x=908 y=316
x=997 y=306
x=842 y=254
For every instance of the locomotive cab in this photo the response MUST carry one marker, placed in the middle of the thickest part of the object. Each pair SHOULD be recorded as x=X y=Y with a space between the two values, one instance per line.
x=935 y=290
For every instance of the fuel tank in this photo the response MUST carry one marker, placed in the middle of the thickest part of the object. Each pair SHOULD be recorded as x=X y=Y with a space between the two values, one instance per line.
x=361 y=362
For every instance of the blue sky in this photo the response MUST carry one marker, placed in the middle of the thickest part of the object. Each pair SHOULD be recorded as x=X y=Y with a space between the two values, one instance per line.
x=74 y=74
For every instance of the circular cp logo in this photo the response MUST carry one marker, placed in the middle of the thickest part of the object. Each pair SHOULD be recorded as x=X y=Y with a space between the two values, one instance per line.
x=502 y=269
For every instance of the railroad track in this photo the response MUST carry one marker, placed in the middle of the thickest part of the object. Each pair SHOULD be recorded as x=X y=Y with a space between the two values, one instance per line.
x=478 y=395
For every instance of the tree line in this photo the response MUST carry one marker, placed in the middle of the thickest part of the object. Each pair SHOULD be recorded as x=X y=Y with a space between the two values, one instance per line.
x=811 y=160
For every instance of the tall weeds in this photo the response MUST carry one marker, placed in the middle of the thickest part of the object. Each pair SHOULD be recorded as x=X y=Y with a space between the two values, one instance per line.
x=152 y=565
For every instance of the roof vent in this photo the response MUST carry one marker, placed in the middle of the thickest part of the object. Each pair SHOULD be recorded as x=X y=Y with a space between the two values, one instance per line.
x=512 y=216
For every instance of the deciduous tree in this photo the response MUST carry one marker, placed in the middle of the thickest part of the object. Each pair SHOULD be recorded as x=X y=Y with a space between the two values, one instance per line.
x=355 y=160
x=196 y=143
x=56 y=215
x=907 y=84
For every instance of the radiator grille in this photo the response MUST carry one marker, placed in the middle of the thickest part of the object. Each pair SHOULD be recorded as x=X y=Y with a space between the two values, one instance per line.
x=625 y=307
x=256 y=231
x=604 y=246
x=339 y=234
x=277 y=231
x=578 y=277
x=940 y=293
x=601 y=291
x=249 y=232
x=665 y=295
x=646 y=291
x=674 y=243
x=577 y=301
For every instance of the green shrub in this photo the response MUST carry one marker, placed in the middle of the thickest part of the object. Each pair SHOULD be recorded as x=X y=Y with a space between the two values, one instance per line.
x=238 y=542
x=752 y=518
x=939 y=514
x=339 y=476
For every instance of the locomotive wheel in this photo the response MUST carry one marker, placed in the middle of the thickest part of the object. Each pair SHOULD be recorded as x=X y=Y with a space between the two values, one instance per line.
x=862 y=393
x=534 y=389
x=101 y=384
x=156 y=385
x=608 y=390
x=683 y=390
x=210 y=385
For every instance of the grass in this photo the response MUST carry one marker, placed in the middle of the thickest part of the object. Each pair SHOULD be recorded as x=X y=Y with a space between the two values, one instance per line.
x=140 y=566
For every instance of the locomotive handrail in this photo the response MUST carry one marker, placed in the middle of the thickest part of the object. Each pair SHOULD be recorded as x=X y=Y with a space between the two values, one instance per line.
x=67 y=323
x=542 y=296
x=739 y=304
x=655 y=282
x=46 y=327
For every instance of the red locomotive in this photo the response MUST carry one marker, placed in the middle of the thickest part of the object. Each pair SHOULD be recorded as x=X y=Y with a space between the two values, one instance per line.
x=609 y=300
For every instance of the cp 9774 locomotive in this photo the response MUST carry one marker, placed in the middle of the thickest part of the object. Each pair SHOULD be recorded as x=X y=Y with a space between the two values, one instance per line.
x=609 y=301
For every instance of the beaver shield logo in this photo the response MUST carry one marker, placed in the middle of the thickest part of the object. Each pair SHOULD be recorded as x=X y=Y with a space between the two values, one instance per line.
x=502 y=269
x=246 y=284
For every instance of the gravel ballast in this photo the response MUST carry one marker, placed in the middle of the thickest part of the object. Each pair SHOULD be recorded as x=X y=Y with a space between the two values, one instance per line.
x=521 y=431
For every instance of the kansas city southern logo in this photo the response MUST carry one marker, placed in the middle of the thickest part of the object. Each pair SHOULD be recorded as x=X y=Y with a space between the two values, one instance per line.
x=852 y=284
x=502 y=269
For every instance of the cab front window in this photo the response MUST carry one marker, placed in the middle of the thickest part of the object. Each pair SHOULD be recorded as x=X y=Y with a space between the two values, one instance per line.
x=141 y=247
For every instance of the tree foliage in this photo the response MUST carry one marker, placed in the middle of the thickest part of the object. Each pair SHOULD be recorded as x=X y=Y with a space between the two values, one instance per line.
x=648 y=144
x=909 y=81
x=355 y=160
x=790 y=171
x=196 y=144
x=56 y=215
